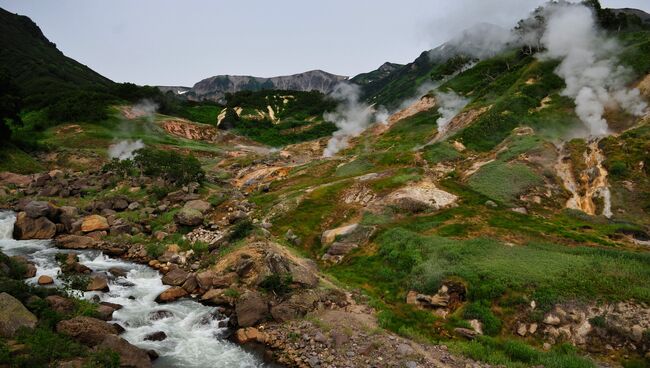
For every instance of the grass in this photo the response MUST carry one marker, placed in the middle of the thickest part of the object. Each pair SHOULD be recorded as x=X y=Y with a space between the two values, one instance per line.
x=504 y=181
x=15 y=160
x=516 y=354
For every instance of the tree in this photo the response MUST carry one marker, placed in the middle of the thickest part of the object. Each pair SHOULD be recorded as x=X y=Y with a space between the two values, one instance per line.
x=10 y=102
x=230 y=120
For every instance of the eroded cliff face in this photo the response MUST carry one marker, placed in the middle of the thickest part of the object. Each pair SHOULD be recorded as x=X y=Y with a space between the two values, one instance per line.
x=589 y=189
x=215 y=88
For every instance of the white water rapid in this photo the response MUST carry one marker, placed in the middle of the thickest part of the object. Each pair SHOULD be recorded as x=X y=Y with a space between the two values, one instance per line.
x=195 y=336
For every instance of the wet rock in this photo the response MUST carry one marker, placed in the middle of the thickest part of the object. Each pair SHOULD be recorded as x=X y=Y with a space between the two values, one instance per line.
x=171 y=294
x=27 y=228
x=87 y=330
x=190 y=285
x=97 y=283
x=105 y=312
x=160 y=314
x=94 y=223
x=188 y=217
x=75 y=242
x=117 y=272
x=14 y=316
x=251 y=308
x=156 y=336
x=175 y=277
x=45 y=280
x=130 y=356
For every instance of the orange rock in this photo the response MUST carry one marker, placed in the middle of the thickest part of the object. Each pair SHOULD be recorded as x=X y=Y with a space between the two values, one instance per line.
x=94 y=223
x=250 y=334
x=171 y=294
x=45 y=280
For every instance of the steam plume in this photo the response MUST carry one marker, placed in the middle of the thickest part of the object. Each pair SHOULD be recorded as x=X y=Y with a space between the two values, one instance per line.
x=144 y=108
x=588 y=66
x=450 y=104
x=351 y=117
x=124 y=149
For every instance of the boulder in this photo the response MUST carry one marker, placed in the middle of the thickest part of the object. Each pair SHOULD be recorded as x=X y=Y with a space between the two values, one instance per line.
x=36 y=209
x=94 y=223
x=251 y=309
x=27 y=228
x=121 y=229
x=14 y=316
x=97 y=283
x=199 y=205
x=216 y=297
x=329 y=236
x=204 y=279
x=188 y=217
x=156 y=336
x=224 y=281
x=171 y=294
x=250 y=334
x=87 y=330
x=190 y=285
x=117 y=272
x=130 y=356
x=60 y=304
x=45 y=280
x=75 y=242
x=30 y=268
x=175 y=277
x=160 y=314
x=105 y=312
x=120 y=204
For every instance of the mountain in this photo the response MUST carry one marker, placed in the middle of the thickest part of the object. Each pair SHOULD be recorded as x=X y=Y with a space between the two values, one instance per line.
x=382 y=72
x=215 y=88
x=36 y=65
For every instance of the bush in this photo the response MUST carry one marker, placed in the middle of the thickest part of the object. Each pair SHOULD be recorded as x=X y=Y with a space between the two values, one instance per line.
x=240 y=230
x=277 y=284
x=169 y=165
x=155 y=250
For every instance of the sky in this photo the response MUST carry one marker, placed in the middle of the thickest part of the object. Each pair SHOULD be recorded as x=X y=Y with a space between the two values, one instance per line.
x=174 y=42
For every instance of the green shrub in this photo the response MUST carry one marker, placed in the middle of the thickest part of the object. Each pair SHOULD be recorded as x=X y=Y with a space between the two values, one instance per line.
x=169 y=165
x=240 y=230
x=504 y=182
x=103 y=359
x=277 y=284
x=45 y=347
x=155 y=250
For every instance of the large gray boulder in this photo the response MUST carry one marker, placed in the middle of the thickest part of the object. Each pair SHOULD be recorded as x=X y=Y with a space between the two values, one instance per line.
x=189 y=217
x=14 y=316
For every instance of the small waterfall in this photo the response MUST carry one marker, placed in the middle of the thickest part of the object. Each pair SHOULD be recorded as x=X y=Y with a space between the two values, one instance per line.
x=7 y=220
x=591 y=183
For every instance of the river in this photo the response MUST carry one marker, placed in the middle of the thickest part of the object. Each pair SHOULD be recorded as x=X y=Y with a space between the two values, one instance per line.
x=195 y=336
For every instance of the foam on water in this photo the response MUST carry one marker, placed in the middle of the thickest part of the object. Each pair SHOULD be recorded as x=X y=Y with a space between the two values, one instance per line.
x=194 y=336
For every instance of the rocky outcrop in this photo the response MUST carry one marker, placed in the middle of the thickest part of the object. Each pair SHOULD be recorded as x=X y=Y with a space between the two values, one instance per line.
x=215 y=88
x=419 y=197
x=14 y=316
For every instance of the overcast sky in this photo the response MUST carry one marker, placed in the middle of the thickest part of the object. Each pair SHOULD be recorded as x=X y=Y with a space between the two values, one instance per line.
x=174 y=42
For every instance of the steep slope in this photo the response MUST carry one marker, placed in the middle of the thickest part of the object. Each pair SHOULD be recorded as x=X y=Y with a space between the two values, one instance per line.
x=36 y=65
x=215 y=88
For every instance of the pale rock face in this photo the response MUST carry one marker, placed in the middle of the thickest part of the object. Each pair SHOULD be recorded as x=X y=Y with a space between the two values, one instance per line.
x=215 y=88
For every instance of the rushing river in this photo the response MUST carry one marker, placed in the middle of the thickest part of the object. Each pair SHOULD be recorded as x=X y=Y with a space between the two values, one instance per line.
x=194 y=336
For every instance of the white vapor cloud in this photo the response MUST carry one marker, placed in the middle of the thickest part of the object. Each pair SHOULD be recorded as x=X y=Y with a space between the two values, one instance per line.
x=351 y=117
x=450 y=104
x=589 y=66
x=124 y=149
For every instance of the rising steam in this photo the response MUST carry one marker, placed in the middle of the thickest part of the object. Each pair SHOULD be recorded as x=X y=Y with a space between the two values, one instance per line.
x=124 y=149
x=450 y=103
x=351 y=117
x=588 y=66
